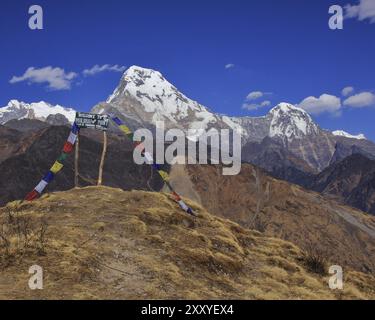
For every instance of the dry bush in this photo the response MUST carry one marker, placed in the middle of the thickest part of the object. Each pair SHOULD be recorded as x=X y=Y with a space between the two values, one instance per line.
x=20 y=235
x=315 y=260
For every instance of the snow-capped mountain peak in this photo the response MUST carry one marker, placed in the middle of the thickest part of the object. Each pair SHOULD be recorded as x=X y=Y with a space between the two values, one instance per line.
x=39 y=110
x=158 y=100
x=146 y=94
x=341 y=133
x=290 y=122
x=287 y=107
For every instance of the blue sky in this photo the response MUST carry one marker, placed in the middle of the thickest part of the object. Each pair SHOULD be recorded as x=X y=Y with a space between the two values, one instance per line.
x=283 y=49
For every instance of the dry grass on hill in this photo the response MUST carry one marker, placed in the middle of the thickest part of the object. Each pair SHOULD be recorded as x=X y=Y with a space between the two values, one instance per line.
x=103 y=243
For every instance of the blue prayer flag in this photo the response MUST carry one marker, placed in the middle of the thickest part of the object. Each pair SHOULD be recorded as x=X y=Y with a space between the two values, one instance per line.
x=48 y=177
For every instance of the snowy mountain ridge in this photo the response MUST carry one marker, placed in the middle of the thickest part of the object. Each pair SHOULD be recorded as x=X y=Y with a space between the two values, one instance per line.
x=159 y=97
x=158 y=100
x=291 y=122
x=144 y=96
x=39 y=110
x=341 y=133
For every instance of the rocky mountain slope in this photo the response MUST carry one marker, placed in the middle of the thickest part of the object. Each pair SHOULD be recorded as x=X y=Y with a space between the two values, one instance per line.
x=26 y=125
x=9 y=139
x=145 y=96
x=271 y=155
x=351 y=181
x=103 y=243
x=283 y=210
x=347 y=147
x=28 y=156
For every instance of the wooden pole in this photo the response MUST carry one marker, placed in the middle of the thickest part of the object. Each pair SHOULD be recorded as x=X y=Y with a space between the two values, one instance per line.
x=100 y=177
x=76 y=160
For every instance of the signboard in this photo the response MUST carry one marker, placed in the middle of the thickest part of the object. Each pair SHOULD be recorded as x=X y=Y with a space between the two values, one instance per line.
x=92 y=120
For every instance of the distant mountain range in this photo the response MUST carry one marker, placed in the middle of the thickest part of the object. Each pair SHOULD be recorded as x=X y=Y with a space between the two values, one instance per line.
x=286 y=142
x=144 y=96
x=43 y=111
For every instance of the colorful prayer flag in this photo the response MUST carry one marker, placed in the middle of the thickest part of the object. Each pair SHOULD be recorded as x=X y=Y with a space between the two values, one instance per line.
x=32 y=195
x=62 y=157
x=41 y=186
x=68 y=147
x=164 y=175
x=156 y=166
x=117 y=121
x=75 y=128
x=57 y=166
x=72 y=138
x=125 y=129
x=49 y=177
x=183 y=205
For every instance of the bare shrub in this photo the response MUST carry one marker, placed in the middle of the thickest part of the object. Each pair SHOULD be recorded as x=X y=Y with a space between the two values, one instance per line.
x=4 y=241
x=315 y=260
x=21 y=235
x=42 y=240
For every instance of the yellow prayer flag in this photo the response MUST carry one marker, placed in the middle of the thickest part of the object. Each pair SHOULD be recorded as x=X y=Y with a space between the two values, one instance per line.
x=164 y=175
x=57 y=166
x=125 y=129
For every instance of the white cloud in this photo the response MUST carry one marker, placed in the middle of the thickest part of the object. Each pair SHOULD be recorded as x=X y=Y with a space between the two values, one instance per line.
x=250 y=106
x=364 y=99
x=347 y=91
x=325 y=103
x=229 y=66
x=255 y=106
x=56 y=78
x=254 y=95
x=365 y=9
x=105 y=67
x=249 y=103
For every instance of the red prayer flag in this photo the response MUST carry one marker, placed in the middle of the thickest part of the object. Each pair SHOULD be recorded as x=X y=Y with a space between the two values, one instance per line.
x=68 y=147
x=32 y=195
